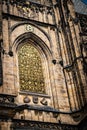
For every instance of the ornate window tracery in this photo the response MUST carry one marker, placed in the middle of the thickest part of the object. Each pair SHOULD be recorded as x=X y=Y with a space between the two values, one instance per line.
x=30 y=69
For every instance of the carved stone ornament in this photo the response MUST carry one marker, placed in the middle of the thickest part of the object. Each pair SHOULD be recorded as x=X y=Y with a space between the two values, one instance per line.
x=31 y=8
x=35 y=99
x=44 y=102
x=29 y=28
x=41 y=125
x=6 y=99
x=26 y=99
x=83 y=23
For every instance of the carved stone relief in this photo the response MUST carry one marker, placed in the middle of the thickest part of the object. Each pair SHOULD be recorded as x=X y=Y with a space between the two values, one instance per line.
x=28 y=9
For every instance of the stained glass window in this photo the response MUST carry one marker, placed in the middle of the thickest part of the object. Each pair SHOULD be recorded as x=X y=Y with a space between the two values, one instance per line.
x=30 y=69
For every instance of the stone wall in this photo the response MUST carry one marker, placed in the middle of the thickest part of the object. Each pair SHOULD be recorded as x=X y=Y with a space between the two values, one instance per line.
x=54 y=31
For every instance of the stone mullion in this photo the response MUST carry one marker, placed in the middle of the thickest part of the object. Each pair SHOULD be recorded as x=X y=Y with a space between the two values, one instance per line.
x=74 y=39
x=74 y=29
x=65 y=58
x=56 y=14
x=84 y=50
x=0 y=20
x=9 y=25
x=37 y=14
x=70 y=56
x=57 y=31
x=33 y=115
x=3 y=125
x=76 y=68
x=8 y=75
x=52 y=12
x=56 y=19
x=59 y=57
x=78 y=54
x=6 y=125
x=66 y=36
x=19 y=10
x=68 y=32
x=70 y=90
x=53 y=16
x=69 y=37
x=15 y=9
x=81 y=81
x=54 y=86
x=75 y=85
x=78 y=85
x=52 y=91
x=40 y=16
x=11 y=8
x=50 y=20
x=54 y=96
x=74 y=56
x=74 y=92
x=75 y=36
x=51 y=45
x=41 y=116
x=4 y=6
x=64 y=54
x=46 y=15
x=68 y=49
x=76 y=89
x=63 y=49
x=1 y=40
x=81 y=86
x=41 y=1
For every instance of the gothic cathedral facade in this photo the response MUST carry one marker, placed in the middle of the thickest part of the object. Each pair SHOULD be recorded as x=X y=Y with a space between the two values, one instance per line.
x=43 y=66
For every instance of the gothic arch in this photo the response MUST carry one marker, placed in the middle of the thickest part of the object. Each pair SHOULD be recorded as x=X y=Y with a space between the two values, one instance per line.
x=27 y=23
x=46 y=57
x=16 y=27
x=37 y=41
x=19 y=29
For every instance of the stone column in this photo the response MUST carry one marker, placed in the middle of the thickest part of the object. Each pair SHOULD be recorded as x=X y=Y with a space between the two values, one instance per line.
x=0 y=41
x=6 y=125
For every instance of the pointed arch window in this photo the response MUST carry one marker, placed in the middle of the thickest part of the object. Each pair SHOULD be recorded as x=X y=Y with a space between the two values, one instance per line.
x=30 y=69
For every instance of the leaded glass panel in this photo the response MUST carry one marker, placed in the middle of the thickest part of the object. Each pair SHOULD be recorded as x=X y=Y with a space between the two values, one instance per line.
x=30 y=69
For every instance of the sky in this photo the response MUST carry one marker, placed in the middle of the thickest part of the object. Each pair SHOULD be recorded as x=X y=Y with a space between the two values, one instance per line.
x=85 y=1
